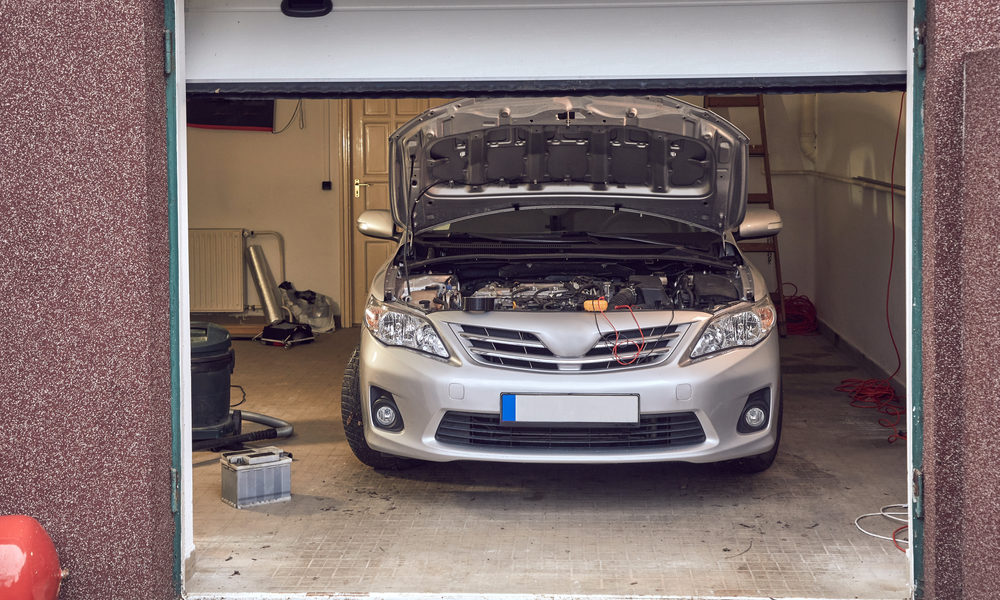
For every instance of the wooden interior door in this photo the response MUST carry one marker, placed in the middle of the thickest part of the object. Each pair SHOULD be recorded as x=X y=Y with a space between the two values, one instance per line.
x=372 y=120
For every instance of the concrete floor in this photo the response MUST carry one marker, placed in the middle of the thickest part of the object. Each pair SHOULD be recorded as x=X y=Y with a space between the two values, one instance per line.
x=658 y=529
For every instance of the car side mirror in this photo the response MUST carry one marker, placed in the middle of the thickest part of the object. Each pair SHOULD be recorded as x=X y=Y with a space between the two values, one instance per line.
x=759 y=222
x=377 y=224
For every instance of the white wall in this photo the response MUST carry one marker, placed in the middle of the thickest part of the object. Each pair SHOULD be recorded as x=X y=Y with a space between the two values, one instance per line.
x=856 y=133
x=262 y=181
x=835 y=243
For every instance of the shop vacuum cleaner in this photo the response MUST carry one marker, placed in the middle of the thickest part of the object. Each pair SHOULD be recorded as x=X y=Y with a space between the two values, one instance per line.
x=214 y=425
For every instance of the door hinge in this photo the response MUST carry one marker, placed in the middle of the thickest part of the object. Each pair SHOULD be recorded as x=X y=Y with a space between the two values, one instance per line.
x=919 y=46
x=175 y=491
x=168 y=52
x=918 y=494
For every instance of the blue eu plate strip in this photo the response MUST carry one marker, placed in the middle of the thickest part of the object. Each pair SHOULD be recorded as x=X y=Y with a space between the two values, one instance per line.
x=508 y=407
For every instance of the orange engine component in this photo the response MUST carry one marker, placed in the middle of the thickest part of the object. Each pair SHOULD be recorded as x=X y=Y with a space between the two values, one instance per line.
x=29 y=565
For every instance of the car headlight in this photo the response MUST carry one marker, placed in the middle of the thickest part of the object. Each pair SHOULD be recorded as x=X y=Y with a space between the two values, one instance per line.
x=399 y=328
x=737 y=328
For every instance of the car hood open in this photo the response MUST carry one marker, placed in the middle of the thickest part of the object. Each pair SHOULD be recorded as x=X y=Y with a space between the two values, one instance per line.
x=656 y=155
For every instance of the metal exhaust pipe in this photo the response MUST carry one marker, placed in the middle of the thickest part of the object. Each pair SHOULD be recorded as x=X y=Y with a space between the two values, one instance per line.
x=267 y=289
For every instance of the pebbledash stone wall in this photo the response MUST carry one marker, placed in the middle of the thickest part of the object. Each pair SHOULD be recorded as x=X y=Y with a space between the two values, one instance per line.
x=84 y=289
x=961 y=352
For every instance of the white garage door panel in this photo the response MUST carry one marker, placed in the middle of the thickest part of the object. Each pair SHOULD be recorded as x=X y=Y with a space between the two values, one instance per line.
x=252 y=41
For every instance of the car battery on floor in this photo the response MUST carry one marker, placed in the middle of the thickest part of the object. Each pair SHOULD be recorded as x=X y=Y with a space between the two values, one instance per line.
x=256 y=476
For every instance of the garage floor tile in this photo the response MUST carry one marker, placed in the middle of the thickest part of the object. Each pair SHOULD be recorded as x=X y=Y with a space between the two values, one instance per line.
x=656 y=529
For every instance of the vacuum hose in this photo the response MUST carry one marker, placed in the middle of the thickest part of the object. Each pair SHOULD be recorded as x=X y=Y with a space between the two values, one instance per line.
x=282 y=428
x=277 y=429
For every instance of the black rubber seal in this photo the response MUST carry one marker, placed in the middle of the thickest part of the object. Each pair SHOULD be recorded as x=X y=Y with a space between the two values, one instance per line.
x=890 y=82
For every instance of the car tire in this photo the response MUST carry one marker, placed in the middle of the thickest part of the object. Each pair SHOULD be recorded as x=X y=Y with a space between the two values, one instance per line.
x=354 y=427
x=759 y=463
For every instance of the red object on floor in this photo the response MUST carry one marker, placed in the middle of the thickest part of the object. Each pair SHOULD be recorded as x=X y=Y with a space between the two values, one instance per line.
x=29 y=565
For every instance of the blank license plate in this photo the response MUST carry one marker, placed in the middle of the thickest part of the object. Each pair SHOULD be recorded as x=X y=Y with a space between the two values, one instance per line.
x=569 y=408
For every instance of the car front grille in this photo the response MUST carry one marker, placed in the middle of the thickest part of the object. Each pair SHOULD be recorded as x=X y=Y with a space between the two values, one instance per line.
x=515 y=349
x=667 y=430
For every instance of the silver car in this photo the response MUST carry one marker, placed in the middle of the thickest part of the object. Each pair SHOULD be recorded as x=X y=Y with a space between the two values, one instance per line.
x=567 y=288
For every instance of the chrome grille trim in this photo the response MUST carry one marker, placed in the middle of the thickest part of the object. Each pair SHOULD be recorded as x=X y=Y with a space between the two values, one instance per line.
x=609 y=343
x=521 y=350
x=557 y=360
x=484 y=338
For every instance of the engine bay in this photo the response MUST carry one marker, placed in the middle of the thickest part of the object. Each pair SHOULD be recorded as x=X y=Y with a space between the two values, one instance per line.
x=571 y=286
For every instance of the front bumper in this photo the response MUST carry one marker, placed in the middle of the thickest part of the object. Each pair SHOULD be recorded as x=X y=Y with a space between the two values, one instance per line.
x=714 y=389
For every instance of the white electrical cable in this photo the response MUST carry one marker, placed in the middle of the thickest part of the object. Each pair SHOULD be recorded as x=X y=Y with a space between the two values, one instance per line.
x=895 y=516
x=883 y=512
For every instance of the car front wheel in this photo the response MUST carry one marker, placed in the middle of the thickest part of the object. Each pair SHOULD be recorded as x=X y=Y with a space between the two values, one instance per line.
x=354 y=427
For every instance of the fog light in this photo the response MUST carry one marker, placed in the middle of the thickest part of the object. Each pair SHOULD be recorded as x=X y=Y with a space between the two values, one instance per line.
x=386 y=416
x=755 y=417
x=385 y=413
x=756 y=412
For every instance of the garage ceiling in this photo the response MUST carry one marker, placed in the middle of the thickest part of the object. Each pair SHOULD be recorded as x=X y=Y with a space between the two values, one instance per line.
x=478 y=45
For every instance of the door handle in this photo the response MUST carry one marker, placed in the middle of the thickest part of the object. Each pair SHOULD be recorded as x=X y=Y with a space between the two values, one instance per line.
x=357 y=187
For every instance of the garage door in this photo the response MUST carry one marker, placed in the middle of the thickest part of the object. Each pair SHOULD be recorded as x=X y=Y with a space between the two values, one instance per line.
x=478 y=46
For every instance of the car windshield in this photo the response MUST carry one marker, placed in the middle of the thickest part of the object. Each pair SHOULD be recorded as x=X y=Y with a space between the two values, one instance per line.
x=560 y=221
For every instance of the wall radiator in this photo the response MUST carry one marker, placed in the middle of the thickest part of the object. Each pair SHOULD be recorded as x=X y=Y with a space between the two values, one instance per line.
x=216 y=270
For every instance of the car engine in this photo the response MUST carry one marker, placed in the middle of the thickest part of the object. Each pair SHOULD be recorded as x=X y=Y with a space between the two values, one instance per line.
x=528 y=287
